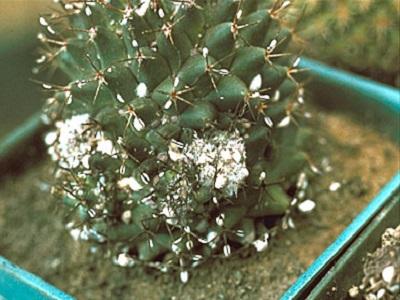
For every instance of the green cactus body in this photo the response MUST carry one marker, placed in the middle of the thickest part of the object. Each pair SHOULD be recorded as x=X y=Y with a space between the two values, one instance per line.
x=362 y=36
x=175 y=136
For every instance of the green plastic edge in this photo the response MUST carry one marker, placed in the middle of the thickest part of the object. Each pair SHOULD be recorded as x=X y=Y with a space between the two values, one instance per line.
x=20 y=135
x=337 y=88
x=351 y=86
x=18 y=284
x=348 y=269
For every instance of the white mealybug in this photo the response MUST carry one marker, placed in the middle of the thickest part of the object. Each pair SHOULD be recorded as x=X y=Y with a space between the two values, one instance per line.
x=268 y=121
x=161 y=13
x=284 y=122
x=277 y=96
x=220 y=181
x=138 y=123
x=256 y=83
x=131 y=183
x=68 y=6
x=211 y=236
x=41 y=59
x=272 y=45
x=120 y=99
x=126 y=216
x=135 y=44
x=91 y=213
x=43 y=21
x=124 y=260
x=227 y=250
x=189 y=245
x=145 y=178
x=176 y=82
x=388 y=274
x=47 y=86
x=141 y=90
x=262 y=243
x=205 y=52
x=285 y=4
x=88 y=11
x=142 y=7
x=105 y=146
x=75 y=233
x=175 y=248
x=306 y=206
x=50 y=138
x=334 y=186
x=220 y=219
x=296 y=62
x=168 y=104
x=184 y=276
x=239 y=14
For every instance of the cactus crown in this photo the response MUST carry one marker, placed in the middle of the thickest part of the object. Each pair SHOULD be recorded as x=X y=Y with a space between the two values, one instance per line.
x=176 y=135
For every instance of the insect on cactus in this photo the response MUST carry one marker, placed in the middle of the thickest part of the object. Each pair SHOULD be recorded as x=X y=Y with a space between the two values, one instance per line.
x=178 y=132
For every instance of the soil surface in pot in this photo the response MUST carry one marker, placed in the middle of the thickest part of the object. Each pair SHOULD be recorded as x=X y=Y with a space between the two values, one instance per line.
x=361 y=161
x=381 y=270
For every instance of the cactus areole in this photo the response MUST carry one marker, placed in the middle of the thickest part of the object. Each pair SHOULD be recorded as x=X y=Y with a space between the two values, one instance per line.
x=179 y=130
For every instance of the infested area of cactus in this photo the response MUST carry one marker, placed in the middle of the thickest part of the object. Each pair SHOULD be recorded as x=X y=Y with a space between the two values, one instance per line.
x=361 y=36
x=178 y=133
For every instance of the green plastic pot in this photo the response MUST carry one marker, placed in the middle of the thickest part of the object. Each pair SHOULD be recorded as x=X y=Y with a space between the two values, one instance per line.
x=333 y=88
x=377 y=105
x=347 y=271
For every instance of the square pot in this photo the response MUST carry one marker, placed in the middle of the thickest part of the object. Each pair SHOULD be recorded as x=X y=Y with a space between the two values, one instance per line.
x=345 y=91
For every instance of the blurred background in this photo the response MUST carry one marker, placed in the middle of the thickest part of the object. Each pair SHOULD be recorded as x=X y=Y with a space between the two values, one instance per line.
x=19 y=97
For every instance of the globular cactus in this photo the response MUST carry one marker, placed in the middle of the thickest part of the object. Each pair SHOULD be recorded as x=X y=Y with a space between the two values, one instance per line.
x=361 y=36
x=178 y=132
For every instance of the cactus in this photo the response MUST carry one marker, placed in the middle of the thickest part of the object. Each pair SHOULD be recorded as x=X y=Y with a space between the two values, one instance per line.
x=178 y=131
x=361 y=36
